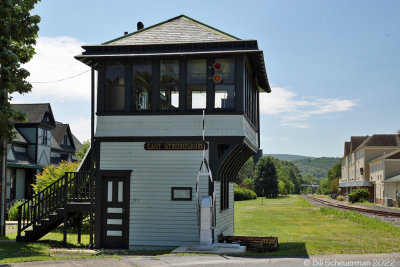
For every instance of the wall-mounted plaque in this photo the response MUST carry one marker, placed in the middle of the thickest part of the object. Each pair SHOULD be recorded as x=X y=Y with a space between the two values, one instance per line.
x=181 y=193
x=175 y=146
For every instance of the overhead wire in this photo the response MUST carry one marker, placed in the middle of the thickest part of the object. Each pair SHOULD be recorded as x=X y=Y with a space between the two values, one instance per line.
x=60 y=80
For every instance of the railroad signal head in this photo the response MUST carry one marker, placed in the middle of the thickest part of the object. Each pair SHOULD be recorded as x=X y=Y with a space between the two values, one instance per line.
x=217 y=66
x=217 y=78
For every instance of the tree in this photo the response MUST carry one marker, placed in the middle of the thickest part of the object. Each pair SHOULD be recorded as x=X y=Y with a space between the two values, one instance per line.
x=246 y=171
x=265 y=178
x=18 y=32
x=82 y=150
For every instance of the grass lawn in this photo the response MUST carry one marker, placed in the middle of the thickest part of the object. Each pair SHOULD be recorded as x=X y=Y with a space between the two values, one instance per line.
x=304 y=229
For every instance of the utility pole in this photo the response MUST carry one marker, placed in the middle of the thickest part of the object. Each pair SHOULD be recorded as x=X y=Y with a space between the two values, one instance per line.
x=3 y=147
x=3 y=157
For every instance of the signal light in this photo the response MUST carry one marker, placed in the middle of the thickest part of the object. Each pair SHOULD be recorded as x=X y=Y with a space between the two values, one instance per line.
x=217 y=66
x=217 y=78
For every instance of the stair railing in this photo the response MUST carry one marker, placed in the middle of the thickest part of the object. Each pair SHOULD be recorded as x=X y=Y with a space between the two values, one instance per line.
x=72 y=187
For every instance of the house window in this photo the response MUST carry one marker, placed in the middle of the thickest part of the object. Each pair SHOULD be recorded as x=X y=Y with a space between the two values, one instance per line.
x=142 y=81
x=65 y=140
x=169 y=84
x=115 y=86
x=224 y=194
x=225 y=91
x=44 y=138
x=196 y=84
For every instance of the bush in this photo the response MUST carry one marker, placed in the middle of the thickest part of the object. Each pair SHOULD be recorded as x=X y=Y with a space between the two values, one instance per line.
x=340 y=198
x=13 y=212
x=358 y=195
x=51 y=174
x=248 y=183
x=244 y=194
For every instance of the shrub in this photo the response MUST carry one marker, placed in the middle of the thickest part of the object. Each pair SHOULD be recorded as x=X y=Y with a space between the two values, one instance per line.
x=244 y=194
x=13 y=212
x=51 y=174
x=340 y=198
x=248 y=183
x=358 y=195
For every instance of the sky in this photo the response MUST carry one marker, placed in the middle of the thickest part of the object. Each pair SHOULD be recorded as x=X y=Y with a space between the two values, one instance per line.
x=333 y=66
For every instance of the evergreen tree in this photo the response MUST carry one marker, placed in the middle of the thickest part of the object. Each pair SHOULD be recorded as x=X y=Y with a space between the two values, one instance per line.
x=265 y=178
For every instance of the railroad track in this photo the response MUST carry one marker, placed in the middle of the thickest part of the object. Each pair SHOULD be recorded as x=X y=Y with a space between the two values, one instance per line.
x=364 y=210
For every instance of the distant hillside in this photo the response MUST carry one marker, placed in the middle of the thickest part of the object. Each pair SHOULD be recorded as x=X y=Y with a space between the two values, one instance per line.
x=318 y=167
x=288 y=157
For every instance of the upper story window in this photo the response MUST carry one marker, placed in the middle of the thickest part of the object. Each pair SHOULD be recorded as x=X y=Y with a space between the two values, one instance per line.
x=169 y=84
x=46 y=117
x=142 y=82
x=225 y=91
x=115 y=86
x=65 y=140
x=44 y=137
x=196 y=83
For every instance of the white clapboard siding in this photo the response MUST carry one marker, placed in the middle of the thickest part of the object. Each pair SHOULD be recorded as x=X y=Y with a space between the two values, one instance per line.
x=225 y=223
x=154 y=219
x=185 y=125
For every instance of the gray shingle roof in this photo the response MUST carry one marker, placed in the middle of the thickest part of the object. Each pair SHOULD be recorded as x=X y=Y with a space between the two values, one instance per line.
x=181 y=29
x=382 y=140
x=19 y=138
x=34 y=112
x=356 y=141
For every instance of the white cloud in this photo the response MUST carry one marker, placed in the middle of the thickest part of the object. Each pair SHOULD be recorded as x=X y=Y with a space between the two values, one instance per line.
x=54 y=60
x=294 y=110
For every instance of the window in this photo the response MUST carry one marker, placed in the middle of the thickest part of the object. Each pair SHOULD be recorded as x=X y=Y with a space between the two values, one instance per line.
x=65 y=140
x=44 y=138
x=115 y=86
x=169 y=84
x=196 y=84
x=224 y=194
x=142 y=81
x=225 y=91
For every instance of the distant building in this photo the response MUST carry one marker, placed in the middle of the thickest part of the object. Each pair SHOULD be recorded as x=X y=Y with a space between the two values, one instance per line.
x=363 y=153
x=38 y=142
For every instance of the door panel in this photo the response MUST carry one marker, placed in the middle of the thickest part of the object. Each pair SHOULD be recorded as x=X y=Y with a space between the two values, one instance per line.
x=115 y=217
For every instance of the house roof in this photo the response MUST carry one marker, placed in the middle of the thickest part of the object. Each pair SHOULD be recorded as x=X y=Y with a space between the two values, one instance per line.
x=382 y=140
x=176 y=37
x=57 y=135
x=390 y=155
x=19 y=138
x=34 y=112
x=181 y=29
x=394 y=179
x=356 y=141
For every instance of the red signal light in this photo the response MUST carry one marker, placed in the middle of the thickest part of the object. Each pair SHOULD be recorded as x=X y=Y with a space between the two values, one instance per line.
x=217 y=66
x=217 y=78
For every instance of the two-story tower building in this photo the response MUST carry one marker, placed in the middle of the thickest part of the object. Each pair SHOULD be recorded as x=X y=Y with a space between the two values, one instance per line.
x=153 y=86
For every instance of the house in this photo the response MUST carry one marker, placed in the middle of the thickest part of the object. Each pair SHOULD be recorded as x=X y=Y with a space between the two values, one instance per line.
x=39 y=141
x=360 y=152
x=153 y=86
x=385 y=176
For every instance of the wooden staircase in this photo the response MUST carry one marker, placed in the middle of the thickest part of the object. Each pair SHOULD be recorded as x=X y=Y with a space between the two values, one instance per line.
x=55 y=204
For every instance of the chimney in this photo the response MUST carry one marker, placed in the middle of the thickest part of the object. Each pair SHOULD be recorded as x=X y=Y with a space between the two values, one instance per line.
x=140 y=25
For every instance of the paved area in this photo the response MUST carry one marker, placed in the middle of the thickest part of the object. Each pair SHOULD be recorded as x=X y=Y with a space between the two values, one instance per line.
x=208 y=260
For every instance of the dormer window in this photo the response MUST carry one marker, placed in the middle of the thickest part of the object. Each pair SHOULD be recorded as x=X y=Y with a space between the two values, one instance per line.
x=46 y=117
x=65 y=140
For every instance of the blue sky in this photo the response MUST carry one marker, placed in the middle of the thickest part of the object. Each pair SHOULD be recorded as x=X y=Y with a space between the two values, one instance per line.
x=334 y=66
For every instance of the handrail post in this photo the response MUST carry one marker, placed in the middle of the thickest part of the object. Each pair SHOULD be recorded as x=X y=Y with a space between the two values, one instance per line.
x=19 y=220
x=65 y=187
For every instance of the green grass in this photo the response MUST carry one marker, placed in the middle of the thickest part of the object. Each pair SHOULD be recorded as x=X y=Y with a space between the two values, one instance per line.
x=304 y=229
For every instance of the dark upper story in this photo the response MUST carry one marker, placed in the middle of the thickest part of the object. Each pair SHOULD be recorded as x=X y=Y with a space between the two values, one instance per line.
x=180 y=66
x=40 y=129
